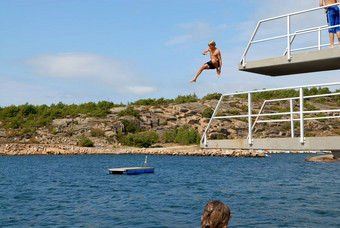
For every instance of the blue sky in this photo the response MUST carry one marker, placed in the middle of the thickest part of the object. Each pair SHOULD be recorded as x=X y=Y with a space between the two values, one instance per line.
x=76 y=51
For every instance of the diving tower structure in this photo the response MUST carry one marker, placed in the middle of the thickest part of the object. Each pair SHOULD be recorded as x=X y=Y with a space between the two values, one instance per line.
x=296 y=114
x=293 y=109
x=293 y=60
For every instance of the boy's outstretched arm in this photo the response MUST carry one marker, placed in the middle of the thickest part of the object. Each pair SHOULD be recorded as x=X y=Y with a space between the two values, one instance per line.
x=205 y=52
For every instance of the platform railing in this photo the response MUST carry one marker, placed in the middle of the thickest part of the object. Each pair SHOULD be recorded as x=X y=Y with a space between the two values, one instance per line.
x=301 y=112
x=304 y=31
x=289 y=35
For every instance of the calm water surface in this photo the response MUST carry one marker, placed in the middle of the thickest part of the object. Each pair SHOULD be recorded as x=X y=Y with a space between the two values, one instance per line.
x=76 y=191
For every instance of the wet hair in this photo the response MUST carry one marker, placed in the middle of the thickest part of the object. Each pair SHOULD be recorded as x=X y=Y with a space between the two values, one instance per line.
x=215 y=215
x=211 y=42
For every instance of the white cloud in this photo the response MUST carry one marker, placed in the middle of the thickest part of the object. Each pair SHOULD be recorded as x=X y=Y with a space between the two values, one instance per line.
x=19 y=92
x=92 y=68
x=141 y=90
x=195 y=31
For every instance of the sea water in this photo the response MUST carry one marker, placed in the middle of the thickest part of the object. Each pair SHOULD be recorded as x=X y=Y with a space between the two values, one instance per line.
x=76 y=191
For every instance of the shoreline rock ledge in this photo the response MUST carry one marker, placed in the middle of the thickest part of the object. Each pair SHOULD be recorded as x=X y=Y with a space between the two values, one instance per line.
x=323 y=158
x=16 y=149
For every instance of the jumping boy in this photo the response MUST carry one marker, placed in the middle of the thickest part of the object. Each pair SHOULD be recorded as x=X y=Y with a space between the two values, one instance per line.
x=214 y=63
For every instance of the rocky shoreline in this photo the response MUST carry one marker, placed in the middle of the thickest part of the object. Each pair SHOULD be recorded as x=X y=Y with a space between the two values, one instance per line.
x=323 y=158
x=16 y=149
x=22 y=149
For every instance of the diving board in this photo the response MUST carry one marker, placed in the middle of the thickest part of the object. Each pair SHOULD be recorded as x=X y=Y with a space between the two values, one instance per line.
x=300 y=60
x=307 y=62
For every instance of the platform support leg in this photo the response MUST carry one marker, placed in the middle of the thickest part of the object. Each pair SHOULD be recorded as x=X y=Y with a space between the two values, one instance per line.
x=250 y=136
x=302 y=132
x=291 y=118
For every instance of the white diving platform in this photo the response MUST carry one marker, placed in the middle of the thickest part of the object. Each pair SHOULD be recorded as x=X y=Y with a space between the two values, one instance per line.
x=306 y=59
x=307 y=62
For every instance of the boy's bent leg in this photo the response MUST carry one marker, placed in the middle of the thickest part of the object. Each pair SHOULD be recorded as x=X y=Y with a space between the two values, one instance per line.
x=218 y=70
x=205 y=66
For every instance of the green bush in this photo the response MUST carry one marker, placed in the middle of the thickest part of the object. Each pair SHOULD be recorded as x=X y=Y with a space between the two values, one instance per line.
x=27 y=131
x=266 y=95
x=85 y=142
x=234 y=112
x=96 y=132
x=286 y=93
x=244 y=108
x=28 y=115
x=207 y=113
x=310 y=107
x=27 y=110
x=186 y=99
x=184 y=136
x=212 y=96
x=129 y=126
x=153 y=102
x=129 y=111
x=140 y=139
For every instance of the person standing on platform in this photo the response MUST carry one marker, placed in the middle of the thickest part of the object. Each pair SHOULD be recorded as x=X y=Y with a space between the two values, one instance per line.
x=333 y=18
x=214 y=63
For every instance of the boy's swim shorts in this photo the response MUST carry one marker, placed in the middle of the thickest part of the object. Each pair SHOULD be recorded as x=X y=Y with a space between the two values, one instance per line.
x=333 y=18
x=211 y=65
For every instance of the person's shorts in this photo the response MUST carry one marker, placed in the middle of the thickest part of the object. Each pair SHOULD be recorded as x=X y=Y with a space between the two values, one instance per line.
x=333 y=18
x=211 y=65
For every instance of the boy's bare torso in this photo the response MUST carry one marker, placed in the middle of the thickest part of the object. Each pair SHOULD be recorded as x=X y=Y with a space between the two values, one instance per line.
x=329 y=2
x=214 y=54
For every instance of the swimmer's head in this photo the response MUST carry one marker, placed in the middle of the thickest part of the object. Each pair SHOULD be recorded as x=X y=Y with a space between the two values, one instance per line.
x=215 y=215
x=212 y=43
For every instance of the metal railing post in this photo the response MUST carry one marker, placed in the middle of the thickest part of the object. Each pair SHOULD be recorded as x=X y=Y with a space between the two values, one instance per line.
x=301 y=117
x=288 y=39
x=204 y=137
x=319 y=39
x=243 y=60
x=291 y=118
x=250 y=139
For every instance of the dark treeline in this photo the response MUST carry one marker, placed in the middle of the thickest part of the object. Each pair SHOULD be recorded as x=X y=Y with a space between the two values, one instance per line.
x=29 y=115
x=288 y=93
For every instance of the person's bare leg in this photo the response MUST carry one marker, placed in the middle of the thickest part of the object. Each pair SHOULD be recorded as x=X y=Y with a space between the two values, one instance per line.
x=331 y=38
x=338 y=34
x=218 y=70
x=205 y=66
